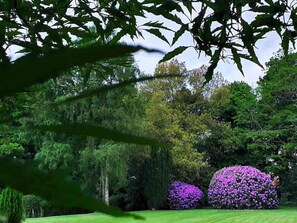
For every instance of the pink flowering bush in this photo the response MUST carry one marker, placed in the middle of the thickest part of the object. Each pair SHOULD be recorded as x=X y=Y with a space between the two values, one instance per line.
x=183 y=196
x=242 y=187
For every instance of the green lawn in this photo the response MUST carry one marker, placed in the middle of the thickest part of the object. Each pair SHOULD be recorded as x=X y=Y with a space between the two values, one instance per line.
x=282 y=215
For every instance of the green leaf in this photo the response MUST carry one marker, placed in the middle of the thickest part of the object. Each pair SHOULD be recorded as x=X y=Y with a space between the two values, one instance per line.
x=265 y=9
x=214 y=62
x=248 y=41
x=189 y=6
x=178 y=34
x=209 y=73
x=173 y=18
x=158 y=34
x=157 y=25
x=99 y=132
x=113 y=86
x=198 y=20
x=285 y=42
x=173 y=53
x=170 y=5
x=237 y=60
x=247 y=31
x=52 y=186
x=29 y=70
x=294 y=18
x=116 y=38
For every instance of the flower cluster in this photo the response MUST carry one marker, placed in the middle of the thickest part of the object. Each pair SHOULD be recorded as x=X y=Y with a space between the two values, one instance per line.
x=242 y=187
x=183 y=196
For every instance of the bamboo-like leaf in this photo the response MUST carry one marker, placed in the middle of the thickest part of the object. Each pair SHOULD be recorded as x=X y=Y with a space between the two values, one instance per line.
x=198 y=20
x=113 y=86
x=178 y=34
x=100 y=132
x=52 y=186
x=158 y=25
x=30 y=70
x=214 y=63
x=209 y=73
x=285 y=42
x=294 y=18
x=249 y=42
x=173 y=53
x=189 y=6
x=237 y=60
x=158 y=34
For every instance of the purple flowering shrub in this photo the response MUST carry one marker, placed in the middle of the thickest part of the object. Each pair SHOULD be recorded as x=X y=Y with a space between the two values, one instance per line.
x=242 y=187
x=183 y=196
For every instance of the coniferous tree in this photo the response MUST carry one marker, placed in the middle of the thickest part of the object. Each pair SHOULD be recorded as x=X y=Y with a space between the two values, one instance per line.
x=11 y=205
x=157 y=178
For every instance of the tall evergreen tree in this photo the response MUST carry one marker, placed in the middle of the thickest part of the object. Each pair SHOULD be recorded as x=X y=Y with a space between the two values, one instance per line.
x=11 y=205
x=157 y=178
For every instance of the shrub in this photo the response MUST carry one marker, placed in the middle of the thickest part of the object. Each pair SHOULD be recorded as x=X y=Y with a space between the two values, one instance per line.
x=38 y=207
x=11 y=205
x=242 y=187
x=183 y=196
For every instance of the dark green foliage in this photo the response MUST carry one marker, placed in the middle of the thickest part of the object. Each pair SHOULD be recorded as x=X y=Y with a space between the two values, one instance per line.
x=49 y=184
x=135 y=197
x=99 y=132
x=278 y=118
x=261 y=124
x=118 y=200
x=11 y=205
x=33 y=206
x=157 y=180
x=37 y=207
x=57 y=61
x=288 y=186
x=105 y=89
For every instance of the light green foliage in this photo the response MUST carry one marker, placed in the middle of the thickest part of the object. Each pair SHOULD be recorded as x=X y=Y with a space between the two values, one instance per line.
x=11 y=205
x=54 y=155
x=108 y=159
x=172 y=115
x=11 y=150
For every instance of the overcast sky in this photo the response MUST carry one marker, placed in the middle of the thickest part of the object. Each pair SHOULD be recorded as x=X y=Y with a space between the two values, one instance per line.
x=148 y=61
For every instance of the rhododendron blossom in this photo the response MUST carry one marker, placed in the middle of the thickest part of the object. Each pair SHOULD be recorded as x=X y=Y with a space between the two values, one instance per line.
x=183 y=196
x=242 y=187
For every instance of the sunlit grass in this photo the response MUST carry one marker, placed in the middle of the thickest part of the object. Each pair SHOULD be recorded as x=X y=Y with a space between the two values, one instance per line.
x=282 y=215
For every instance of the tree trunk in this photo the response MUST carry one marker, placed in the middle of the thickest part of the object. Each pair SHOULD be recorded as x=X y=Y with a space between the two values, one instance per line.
x=105 y=187
x=41 y=212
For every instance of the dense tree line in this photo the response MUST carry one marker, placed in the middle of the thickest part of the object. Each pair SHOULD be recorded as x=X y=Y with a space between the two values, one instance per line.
x=207 y=128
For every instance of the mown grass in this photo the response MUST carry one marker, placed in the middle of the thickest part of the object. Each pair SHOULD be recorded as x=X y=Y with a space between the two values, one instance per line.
x=281 y=215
